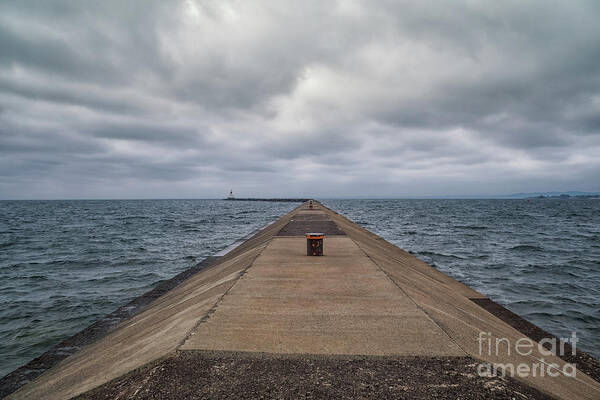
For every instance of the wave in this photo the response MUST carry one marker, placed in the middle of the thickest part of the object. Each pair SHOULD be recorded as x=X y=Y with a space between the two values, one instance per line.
x=7 y=244
x=526 y=247
x=194 y=230
x=20 y=278
x=130 y=217
x=471 y=227
x=434 y=254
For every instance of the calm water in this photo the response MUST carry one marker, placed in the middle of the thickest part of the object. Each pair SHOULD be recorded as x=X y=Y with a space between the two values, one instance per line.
x=64 y=264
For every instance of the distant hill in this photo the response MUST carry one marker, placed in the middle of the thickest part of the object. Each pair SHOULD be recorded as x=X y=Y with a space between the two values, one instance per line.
x=551 y=194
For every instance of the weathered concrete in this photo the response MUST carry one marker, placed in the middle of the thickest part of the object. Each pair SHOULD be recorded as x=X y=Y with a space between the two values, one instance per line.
x=301 y=226
x=341 y=303
x=363 y=298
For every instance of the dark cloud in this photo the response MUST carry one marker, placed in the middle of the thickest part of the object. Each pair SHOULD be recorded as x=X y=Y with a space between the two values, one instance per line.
x=191 y=98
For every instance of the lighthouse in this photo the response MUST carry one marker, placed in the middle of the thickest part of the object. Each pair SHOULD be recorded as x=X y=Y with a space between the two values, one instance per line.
x=231 y=196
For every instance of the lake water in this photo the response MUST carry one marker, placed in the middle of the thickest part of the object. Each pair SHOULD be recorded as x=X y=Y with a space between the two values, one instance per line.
x=64 y=264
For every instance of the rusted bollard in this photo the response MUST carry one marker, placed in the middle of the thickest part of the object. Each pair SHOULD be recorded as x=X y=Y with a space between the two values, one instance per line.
x=314 y=244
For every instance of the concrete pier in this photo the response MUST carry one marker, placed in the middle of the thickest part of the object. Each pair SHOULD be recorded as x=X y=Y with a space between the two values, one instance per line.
x=367 y=319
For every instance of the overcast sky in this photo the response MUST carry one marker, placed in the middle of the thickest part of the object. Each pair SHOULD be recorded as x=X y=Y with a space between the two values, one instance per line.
x=188 y=99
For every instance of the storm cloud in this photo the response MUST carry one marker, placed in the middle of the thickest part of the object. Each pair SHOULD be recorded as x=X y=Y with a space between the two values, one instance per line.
x=175 y=99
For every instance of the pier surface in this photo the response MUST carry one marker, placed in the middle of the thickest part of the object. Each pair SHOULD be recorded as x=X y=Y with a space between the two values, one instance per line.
x=367 y=319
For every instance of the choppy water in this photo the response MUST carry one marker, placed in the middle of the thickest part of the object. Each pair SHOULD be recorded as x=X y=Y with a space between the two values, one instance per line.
x=64 y=264
x=540 y=258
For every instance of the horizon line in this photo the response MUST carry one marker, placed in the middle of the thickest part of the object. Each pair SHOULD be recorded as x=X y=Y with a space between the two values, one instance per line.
x=515 y=196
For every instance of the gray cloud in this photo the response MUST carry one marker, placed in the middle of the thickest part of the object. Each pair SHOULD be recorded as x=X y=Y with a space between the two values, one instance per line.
x=190 y=98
